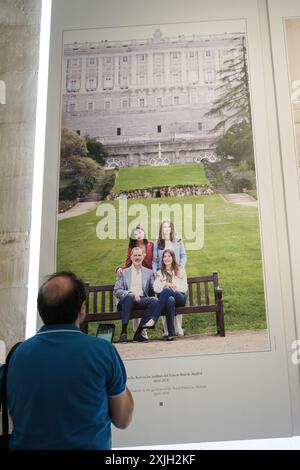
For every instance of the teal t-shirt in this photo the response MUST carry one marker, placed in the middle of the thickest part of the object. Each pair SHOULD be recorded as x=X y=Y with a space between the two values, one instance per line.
x=58 y=387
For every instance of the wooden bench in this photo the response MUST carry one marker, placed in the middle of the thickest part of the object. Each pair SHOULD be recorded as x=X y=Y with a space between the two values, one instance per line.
x=204 y=296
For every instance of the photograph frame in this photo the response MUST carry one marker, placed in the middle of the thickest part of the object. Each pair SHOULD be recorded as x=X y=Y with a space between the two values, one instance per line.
x=278 y=13
x=262 y=413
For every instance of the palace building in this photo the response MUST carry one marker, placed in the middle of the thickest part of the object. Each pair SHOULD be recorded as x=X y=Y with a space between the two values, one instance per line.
x=146 y=100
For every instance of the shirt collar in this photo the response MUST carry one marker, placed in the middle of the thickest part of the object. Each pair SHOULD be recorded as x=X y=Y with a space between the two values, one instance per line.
x=59 y=326
x=136 y=270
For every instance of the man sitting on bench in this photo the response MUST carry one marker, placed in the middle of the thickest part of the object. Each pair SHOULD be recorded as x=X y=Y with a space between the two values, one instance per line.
x=134 y=290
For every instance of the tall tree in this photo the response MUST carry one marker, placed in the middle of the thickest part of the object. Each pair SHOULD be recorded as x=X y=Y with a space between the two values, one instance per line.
x=233 y=103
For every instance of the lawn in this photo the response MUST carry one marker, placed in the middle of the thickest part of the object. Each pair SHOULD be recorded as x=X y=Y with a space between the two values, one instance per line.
x=157 y=176
x=231 y=247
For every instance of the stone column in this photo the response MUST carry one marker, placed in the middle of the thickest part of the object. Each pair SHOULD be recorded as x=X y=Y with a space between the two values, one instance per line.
x=133 y=69
x=83 y=75
x=99 y=73
x=200 y=67
x=150 y=69
x=19 y=49
x=183 y=66
x=167 y=67
x=116 y=73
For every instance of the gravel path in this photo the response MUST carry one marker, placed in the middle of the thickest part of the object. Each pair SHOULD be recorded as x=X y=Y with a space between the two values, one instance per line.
x=233 y=342
x=243 y=199
x=80 y=208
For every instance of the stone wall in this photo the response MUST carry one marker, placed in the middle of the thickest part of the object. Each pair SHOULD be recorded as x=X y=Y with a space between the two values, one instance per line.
x=19 y=48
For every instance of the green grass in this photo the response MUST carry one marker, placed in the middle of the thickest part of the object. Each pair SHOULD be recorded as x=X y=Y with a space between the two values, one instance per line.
x=231 y=247
x=148 y=177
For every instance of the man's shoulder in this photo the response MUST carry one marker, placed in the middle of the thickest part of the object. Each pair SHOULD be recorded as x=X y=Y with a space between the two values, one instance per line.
x=120 y=278
x=147 y=271
x=126 y=271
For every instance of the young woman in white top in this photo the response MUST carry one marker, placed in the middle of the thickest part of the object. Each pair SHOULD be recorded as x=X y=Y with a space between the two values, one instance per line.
x=171 y=285
x=167 y=239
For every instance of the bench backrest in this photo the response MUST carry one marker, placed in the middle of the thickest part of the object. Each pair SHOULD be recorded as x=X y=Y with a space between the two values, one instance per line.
x=202 y=291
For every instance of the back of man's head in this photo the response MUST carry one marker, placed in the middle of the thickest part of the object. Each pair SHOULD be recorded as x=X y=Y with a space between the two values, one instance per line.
x=60 y=298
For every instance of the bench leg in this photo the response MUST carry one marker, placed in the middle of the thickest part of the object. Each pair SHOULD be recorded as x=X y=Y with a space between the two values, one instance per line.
x=220 y=320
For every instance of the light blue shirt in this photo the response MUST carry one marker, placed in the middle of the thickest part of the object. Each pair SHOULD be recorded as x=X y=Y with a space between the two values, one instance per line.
x=59 y=384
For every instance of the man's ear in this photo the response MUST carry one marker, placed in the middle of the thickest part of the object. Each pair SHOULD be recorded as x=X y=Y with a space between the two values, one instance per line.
x=82 y=312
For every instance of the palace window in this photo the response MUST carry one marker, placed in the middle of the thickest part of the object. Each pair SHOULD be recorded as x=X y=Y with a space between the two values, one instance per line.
x=107 y=60
x=118 y=130
x=91 y=84
x=124 y=81
x=175 y=77
x=108 y=83
x=125 y=58
x=208 y=53
x=90 y=106
x=92 y=60
x=72 y=107
x=74 y=85
x=200 y=126
x=141 y=79
x=107 y=105
x=209 y=76
x=175 y=55
x=159 y=101
x=159 y=128
x=176 y=100
x=142 y=102
x=124 y=103
x=158 y=78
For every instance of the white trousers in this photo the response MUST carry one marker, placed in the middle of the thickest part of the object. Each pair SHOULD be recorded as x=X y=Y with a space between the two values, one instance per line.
x=177 y=325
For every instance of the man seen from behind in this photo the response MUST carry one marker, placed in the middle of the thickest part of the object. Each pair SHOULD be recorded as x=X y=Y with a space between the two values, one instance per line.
x=64 y=387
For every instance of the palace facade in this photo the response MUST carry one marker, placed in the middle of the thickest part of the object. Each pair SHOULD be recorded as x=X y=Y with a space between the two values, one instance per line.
x=146 y=100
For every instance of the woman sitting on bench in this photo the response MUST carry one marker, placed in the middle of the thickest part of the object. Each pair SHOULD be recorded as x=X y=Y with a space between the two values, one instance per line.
x=171 y=285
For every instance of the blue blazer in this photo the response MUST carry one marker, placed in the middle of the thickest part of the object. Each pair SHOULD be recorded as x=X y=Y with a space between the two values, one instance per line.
x=123 y=283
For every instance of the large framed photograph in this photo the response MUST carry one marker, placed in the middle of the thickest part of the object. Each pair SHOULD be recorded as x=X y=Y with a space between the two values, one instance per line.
x=157 y=137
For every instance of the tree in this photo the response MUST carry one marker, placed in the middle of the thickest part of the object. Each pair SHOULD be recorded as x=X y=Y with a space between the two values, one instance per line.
x=233 y=107
x=237 y=142
x=79 y=174
x=79 y=177
x=96 y=150
x=233 y=103
x=72 y=144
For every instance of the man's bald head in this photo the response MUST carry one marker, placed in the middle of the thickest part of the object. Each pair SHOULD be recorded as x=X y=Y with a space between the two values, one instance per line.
x=60 y=298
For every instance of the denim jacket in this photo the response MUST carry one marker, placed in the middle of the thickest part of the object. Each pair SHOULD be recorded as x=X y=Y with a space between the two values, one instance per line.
x=179 y=250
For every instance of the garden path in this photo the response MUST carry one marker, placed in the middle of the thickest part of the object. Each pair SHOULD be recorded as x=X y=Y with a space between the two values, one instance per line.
x=233 y=342
x=239 y=198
